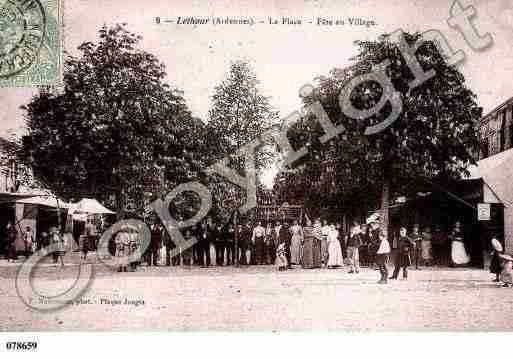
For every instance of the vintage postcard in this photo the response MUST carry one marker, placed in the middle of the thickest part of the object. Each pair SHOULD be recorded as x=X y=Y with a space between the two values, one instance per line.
x=265 y=166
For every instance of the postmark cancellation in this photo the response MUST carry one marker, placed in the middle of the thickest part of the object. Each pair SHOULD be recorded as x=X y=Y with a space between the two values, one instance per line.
x=30 y=42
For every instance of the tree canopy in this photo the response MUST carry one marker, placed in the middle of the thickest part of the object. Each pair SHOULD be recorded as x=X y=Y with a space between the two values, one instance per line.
x=116 y=128
x=239 y=114
x=432 y=139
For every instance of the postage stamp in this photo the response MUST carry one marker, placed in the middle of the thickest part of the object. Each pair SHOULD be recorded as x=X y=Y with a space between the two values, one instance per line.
x=30 y=42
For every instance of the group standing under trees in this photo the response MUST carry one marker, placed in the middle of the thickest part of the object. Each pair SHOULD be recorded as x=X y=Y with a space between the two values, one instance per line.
x=117 y=131
x=432 y=140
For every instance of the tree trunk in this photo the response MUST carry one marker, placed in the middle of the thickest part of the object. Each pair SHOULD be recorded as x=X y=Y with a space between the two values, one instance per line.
x=385 y=200
x=120 y=204
x=236 y=239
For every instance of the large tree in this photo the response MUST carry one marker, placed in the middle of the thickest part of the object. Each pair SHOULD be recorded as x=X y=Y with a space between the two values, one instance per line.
x=239 y=115
x=115 y=129
x=331 y=179
x=432 y=139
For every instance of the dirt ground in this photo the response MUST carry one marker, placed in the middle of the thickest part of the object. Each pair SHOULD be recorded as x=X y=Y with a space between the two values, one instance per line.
x=261 y=298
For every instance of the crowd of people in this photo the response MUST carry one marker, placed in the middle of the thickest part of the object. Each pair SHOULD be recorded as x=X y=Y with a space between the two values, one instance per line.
x=31 y=243
x=258 y=244
x=314 y=244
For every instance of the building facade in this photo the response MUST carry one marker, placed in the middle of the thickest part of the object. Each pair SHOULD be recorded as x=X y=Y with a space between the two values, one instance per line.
x=495 y=166
x=496 y=130
x=8 y=166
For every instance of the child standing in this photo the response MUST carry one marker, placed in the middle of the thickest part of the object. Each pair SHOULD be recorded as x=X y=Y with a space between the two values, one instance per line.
x=507 y=270
x=495 y=265
x=28 y=239
x=382 y=257
x=122 y=250
x=281 y=257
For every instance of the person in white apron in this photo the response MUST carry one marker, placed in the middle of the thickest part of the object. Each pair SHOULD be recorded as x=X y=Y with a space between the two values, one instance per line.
x=382 y=256
x=459 y=254
x=335 y=258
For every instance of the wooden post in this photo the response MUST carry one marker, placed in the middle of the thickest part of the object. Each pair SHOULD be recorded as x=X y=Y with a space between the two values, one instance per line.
x=58 y=214
x=235 y=218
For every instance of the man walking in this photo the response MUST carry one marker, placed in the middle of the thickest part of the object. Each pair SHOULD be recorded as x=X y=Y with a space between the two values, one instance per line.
x=402 y=260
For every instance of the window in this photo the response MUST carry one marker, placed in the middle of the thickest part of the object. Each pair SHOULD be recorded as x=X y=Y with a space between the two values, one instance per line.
x=502 y=131
x=483 y=150
x=511 y=128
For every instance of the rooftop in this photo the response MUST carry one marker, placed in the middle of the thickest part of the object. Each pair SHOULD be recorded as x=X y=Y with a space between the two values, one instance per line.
x=498 y=108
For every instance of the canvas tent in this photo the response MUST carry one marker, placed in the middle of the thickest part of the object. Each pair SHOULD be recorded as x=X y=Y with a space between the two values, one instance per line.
x=46 y=201
x=37 y=212
x=90 y=206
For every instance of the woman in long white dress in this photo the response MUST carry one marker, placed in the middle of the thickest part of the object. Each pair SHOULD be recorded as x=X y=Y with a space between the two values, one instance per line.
x=295 y=245
x=335 y=258
x=459 y=254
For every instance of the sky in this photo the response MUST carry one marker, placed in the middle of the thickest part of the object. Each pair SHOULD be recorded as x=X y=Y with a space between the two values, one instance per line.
x=284 y=57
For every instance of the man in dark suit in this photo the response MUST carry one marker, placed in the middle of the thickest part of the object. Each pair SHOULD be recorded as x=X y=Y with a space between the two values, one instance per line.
x=168 y=243
x=219 y=243
x=229 y=240
x=241 y=245
x=244 y=237
x=284 y=236
x=152 y=253
x=204 y=240
x=273 y=243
